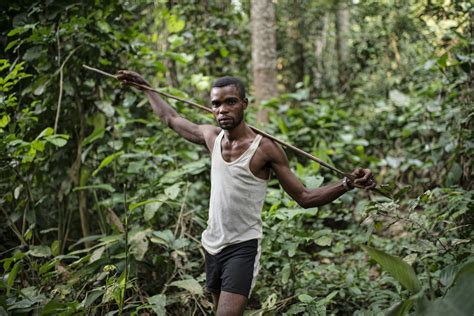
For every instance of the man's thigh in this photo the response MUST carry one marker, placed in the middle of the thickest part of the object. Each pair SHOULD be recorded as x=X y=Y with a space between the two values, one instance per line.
x=231 y=304
x=239 y=268
x=234 y=269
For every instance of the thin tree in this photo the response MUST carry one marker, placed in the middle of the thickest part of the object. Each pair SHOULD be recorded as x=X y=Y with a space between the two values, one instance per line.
x=264 y=56
x=319 y=48
x=342 y=36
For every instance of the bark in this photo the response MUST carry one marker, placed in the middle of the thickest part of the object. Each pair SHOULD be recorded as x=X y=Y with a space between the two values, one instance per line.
x=320 y=46
x=342 y=36
x=76 y=170
x=264 y=56
x=296 y=33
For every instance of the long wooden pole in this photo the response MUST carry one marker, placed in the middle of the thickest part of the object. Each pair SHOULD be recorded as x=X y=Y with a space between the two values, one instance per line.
x=284 y=144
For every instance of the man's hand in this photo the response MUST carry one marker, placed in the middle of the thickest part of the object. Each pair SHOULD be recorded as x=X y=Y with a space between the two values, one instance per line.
x=363 y=179
x=131 y=78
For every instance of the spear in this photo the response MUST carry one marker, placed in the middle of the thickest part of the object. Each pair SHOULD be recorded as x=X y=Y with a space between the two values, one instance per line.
x=284 y=144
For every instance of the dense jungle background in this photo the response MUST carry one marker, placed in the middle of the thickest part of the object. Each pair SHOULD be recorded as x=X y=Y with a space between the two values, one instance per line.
x=102 y=206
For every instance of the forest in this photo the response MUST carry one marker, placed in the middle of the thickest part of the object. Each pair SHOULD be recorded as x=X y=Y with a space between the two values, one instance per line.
x=103 y=205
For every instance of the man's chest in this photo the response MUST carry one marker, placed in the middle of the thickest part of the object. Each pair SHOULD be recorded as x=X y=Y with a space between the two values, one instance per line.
x=257 y=165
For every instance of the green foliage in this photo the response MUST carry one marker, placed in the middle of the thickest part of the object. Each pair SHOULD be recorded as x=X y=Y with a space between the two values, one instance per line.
x=103 y=214
x=398 y=268
x=456 y=299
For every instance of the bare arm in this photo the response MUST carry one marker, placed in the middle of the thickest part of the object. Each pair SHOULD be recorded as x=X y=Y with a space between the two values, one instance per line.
x=311 y=197
x=193 y=132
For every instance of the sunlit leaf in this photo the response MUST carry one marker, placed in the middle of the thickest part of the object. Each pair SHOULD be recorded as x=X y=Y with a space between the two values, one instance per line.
x=46 y=132
x=107 y=160
x=399 y=98
x=323 y=241
x=106 y=107
x=150 y=210
x=157 y=304
x=138 y=244
x=58 y=140
x=95 y=135
x=133 y=206
x=305 y=298
x=40 y=251
x=106 y=187
x=190 y=285
x=4 y=121
x=174 y=24
x=173 y=191
x=97 y=254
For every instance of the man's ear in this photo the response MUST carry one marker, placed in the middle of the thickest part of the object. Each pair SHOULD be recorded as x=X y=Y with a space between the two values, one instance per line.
x=246 y=103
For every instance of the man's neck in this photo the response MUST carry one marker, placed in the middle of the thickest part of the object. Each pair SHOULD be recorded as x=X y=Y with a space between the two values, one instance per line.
x=241 y=131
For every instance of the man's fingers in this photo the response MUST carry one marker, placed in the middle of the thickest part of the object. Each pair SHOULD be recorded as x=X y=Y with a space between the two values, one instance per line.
x=366 y=186
x=363 y=179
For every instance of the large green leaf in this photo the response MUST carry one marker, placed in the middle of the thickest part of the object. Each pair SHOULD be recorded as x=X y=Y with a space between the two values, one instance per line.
x=133 y=206
x=457 y=300
x=92 y=296
x=399 y=309
x=107 y=160
x=58 y=140
x=39 y=251
x=95 y=135
x=398 y=268
x=157 y=304
x=4 y=121
x=173 y=191
x=104 y=186
x=190 y=285
x=138 y=244
x=12 y=275
x=174 y=24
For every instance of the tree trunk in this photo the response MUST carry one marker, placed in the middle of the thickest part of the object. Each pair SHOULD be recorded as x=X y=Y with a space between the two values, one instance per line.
x=296 y=34
x=342 y=37
x=320 y=46
x=75 y=173
x=264 y=56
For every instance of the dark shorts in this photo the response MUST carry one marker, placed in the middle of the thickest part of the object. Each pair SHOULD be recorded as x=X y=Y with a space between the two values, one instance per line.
x=233 y=269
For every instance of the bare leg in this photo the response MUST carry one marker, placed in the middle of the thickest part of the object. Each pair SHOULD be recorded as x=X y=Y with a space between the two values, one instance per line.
x=231 y=304
x=215 y=299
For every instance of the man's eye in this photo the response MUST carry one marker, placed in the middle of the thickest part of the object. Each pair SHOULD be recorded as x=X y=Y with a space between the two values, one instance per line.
x=232 y=101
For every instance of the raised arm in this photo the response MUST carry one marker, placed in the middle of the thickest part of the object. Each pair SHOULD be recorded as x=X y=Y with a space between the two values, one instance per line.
x=306 y=197
x=195 y=133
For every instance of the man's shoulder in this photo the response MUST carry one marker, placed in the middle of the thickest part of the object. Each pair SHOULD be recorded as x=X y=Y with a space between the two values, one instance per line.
x=210 y=133
x=269 y=148
x=267 y=143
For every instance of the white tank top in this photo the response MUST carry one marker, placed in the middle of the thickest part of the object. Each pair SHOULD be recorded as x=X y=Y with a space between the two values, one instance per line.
x=236 y=201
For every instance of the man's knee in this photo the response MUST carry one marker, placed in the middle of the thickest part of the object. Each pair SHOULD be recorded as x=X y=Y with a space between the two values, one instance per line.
x=231 y=304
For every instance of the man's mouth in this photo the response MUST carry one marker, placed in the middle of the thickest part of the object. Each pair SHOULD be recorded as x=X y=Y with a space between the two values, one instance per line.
x=225 y=119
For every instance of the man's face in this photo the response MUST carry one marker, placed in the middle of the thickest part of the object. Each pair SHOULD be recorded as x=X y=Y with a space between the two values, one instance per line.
x=227 y=106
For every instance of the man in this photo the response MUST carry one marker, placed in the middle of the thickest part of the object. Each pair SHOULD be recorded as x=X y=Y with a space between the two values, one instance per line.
x=241 y=164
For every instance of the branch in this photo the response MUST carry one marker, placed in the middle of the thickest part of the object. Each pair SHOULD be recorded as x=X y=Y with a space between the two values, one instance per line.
x=61 y=67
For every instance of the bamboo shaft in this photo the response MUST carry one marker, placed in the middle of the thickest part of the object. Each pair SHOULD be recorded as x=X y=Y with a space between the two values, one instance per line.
x=284 y=144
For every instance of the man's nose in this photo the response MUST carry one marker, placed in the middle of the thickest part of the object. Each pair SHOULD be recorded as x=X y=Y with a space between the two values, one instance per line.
x=224 y=108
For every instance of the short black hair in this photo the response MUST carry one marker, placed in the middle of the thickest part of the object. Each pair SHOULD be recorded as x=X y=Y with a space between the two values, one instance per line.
x=231 y=81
